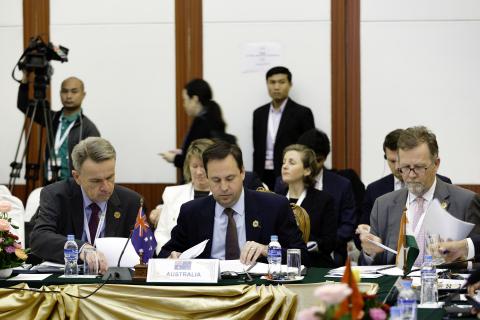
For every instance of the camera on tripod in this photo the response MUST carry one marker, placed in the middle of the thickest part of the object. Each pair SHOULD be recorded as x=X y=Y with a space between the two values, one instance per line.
x=36 y=58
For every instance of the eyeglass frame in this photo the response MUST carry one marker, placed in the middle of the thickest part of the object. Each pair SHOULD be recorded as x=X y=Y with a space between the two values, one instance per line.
x=414 y=169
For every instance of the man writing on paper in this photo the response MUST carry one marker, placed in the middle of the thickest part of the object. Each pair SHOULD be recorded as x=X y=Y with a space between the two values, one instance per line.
x=88 y=206
x=418 y=163
x=238 y=222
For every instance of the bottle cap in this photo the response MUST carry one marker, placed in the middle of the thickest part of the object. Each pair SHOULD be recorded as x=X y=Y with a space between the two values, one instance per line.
x=70 y=237
x=273 y=237
x=407 y=284
x=427 y=258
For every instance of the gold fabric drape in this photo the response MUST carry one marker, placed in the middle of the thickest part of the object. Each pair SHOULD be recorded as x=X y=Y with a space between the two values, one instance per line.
x=150 y=302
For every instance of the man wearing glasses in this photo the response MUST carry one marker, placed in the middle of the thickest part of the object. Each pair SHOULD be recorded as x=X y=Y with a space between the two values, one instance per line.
x=418 y=163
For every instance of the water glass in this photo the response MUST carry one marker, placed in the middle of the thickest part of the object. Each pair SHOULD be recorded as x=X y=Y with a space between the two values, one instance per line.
x=432 y=242
x=90 y=262
x=294 y=263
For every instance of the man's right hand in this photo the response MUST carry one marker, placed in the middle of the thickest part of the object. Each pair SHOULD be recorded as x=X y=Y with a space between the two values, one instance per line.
x=174 y=255
x=368 y=247
x=102 y=260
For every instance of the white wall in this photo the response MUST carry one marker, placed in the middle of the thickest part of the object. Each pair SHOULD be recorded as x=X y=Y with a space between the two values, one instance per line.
x=303 y=33
x=11 y=120
x=420 y=65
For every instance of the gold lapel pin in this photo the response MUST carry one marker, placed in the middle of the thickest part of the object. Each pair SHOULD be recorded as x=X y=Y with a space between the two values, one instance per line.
x=117 y=215
x=255 y=224
x=444 y=204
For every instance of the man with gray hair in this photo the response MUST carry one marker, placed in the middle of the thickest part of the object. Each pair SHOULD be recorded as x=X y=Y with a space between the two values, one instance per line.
x=418 y=162
x=89 y=205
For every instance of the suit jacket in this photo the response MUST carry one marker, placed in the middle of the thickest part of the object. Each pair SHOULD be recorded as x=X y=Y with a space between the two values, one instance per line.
x=196 y=220
x=296 y=119
x=379 y=188
x=387 y=211
x=340 y=189
x=323 y=226
x=61 y=213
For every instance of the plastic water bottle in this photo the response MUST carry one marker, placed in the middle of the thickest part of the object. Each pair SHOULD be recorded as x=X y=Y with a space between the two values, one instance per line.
x=274 y=258
x=407 y=301
x=395 y=313
x=429 y=291
x=70 y=253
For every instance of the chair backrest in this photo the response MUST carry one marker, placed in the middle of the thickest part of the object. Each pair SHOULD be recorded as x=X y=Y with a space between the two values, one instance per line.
x=17 y=215
x=33 y=202
x=303 y=220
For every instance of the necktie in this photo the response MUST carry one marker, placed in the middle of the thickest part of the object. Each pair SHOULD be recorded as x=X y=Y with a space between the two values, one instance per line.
x=232 y=250
x=417 y=214
x=93 y=222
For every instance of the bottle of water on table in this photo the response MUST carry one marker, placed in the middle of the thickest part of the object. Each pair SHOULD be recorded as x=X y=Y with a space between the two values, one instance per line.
x=274 y=258
x=429 y=290
x=407 y=301
x=70 y=253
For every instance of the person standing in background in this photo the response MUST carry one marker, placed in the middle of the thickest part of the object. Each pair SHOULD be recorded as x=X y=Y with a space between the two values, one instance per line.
x=277 y=125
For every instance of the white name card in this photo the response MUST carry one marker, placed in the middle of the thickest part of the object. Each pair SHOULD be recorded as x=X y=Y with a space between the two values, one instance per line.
x=183 y=270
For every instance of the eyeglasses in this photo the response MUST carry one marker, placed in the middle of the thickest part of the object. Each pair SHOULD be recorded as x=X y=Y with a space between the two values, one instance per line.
x=416 y=169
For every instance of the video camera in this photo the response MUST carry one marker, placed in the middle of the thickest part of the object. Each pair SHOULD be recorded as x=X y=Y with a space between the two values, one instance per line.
x=36 y=58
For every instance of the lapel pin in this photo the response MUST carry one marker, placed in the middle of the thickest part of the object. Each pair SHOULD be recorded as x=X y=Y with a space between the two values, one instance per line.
x=256 y=224
x=444 y=204
x=117 y=215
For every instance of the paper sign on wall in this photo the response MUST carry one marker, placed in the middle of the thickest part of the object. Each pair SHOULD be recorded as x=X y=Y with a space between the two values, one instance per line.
x=260 y=56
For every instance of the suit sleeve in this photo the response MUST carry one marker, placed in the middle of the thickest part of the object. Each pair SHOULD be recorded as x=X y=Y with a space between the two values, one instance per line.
x=347 y=215
x=364 y=259
x=45 y=241
x=473 y=215
x=308 y=122
x=326 y=239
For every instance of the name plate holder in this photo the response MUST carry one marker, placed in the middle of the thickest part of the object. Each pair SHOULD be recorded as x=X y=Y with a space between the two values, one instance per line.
x=183 y=270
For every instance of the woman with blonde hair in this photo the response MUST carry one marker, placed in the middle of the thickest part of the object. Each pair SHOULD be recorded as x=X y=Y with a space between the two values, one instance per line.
x=299 y=170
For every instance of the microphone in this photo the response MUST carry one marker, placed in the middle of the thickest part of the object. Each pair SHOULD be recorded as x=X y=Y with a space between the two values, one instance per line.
x=119 y=273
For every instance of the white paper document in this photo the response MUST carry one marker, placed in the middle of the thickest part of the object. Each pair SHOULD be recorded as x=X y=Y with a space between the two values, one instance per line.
x=378 y=244
x=259 y=268
x=437 y=219
x=30 y=277
x=112 y=247
x=194 y=251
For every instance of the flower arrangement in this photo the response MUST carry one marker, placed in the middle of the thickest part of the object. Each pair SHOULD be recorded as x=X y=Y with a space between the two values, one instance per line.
x=341 y=301
x=11 y=253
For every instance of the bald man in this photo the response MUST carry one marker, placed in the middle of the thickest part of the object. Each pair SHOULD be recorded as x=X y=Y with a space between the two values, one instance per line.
x=69 y=125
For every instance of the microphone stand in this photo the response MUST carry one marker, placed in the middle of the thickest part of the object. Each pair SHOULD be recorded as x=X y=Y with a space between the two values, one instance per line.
x=119 y=273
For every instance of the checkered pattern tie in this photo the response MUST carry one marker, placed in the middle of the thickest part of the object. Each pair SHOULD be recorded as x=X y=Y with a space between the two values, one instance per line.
x=420 y=238
x=93 y=222
x=232 y=250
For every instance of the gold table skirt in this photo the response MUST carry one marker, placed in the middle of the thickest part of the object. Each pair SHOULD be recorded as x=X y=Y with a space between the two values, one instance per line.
x=149 y=302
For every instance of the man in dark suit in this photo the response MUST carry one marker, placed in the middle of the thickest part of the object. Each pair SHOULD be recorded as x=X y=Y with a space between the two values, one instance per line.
x=337 y=186
x=276 y=125
x=88 y=206
x=389 y=183
x=238 y=222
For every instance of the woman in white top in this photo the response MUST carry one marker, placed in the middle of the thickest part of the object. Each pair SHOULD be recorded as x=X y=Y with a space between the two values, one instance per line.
x=174 y=196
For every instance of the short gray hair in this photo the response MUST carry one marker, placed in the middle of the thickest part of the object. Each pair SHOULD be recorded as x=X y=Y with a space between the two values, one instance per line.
x=94 y=148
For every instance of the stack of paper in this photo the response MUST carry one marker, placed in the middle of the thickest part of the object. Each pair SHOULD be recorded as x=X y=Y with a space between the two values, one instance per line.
x=366 y=272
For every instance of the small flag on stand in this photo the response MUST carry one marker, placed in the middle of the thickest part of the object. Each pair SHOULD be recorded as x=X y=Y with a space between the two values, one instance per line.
x=352 y=304
x=143 y=239
x=407 y=248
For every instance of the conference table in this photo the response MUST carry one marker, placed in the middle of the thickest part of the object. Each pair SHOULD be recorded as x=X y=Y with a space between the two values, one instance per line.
x=229 y=299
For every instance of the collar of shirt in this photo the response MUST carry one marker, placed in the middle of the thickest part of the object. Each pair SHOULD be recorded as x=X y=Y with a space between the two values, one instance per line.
x=319 y=180
x=238 y=207
x=411 y=204
x=88 y=212
x=71 y=117
x=279 y=110
x=397 y=184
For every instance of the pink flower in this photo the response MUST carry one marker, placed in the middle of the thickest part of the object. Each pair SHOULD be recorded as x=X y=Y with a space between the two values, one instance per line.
x=309 y=314
x=10 y=249
x=17 y=245
x=333 y=293
x=5 y=206
x=4 y=225
x=377 y=314
x=1 y=240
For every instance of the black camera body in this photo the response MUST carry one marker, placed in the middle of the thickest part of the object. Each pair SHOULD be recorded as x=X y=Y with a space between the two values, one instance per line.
x=36 y=58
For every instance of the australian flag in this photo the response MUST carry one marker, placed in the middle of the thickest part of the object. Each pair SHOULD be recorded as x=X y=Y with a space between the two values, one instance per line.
x=143 y=239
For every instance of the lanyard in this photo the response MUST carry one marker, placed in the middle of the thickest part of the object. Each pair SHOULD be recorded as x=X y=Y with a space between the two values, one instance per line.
x=420 y=221
x=300 y=199
x=99 y=228
x=59 y=138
